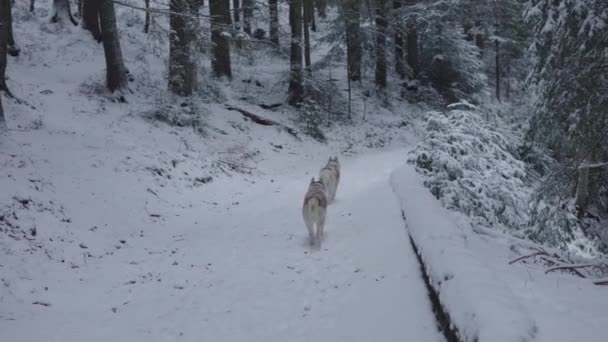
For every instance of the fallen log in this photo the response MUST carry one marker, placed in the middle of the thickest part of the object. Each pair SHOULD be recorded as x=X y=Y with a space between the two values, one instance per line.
x=263 y=121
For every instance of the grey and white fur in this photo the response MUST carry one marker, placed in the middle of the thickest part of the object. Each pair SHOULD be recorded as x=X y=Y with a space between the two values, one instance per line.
x=330 y=176
x=314 y=211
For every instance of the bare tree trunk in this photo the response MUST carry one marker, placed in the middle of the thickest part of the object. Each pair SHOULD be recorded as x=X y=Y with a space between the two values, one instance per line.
x=296 y=89
x=381 y=25
x=90 y=18
x=321 y=8
x=273 y=33
x=116 y=72
x=61 y=12
x=12 y=47
x=32 y=3
x=497 y=48
x=5 y=22
x=308 y=16
x=353 y=38
x=412 y=46
x=3 y=127
x=479 y=37
x=237 y=15
x=220 y=46
x=582 y=191
x=398 y=40
x=247 y=15
x=147 y=18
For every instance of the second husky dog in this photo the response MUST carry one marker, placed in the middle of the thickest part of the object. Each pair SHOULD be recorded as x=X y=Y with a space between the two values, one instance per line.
x=330 y=176
x=314 y=211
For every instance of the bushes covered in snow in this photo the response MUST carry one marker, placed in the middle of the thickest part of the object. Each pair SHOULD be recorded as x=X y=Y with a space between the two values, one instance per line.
x=472 y=168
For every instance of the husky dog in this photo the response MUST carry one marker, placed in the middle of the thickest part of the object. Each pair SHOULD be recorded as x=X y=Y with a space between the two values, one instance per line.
x=314 y=210
x=330 y=176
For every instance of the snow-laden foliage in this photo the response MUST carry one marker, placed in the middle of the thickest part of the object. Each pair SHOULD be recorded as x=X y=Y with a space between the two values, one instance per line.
x=471 y=167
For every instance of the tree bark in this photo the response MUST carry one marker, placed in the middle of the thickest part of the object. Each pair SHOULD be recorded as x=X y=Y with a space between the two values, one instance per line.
x=62 y=13
x=582 y=191
x=147 y=18
x=398 y=40
x=497 y=48
x=5 y=22
x=353 y=38
x=308 y=21
x=90 y=18
x=32 y=3
x=3 y=127
x=12 y=47
x=296 y=89
x=273 y=33
x=321 y=8
x=116 y=72
x=381 y=25
x=220 y=46
x=412 y=46
x=247 y=15
x=237 y=15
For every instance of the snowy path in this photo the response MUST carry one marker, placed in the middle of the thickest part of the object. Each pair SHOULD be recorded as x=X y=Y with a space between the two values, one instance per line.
x=250 y=276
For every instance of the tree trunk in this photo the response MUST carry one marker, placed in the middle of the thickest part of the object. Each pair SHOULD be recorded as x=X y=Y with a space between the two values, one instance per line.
x=479 y=37
x=32 y=3
x=296 y=89
x=353 y=38
x=12 y=47
x=247 y=15
x=309 y=14
x=582 y=191
x=321 y=8
x=90 y=18
x=237 y=15
x=273 y=32
x=116 y=72
x=61 y=12
x=381 y=24
x=220 y=46
x=412 y=46
x=3 y=127
x=147 y=18
x=398 y=40
x=5 y=22
x=497 y=47
x=307 y=62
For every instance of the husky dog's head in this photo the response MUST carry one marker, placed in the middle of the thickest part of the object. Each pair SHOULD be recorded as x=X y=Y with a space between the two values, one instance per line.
x=334 y=162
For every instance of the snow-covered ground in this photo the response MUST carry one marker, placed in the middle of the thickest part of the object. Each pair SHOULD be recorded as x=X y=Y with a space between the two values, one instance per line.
x=115 y=226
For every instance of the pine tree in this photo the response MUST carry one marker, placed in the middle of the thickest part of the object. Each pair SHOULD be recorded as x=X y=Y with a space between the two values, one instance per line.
x=273 y=32
x=296 y=88
x=398 y=44
x=183 y=69
x=116 y=72
x=381 y=25
x=5 y=23
x=248 y=6
x=351 y=17
x=220 y=48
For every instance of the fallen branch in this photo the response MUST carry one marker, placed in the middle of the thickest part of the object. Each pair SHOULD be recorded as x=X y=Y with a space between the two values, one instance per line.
x=263 y=121
x=603 y=281
x=569 y=267
x=527 y=256
x=42 y=303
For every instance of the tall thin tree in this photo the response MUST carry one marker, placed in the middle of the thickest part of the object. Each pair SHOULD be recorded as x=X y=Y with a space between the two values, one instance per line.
x=5 y=23
x=308 y=21
x=296 y=88
x=412 y=45
x=248 y=6
x=351 y=14
x=381 y=24
x=398 y=42
x=220 y=46
x=273 y=32
x=116 y=72
x=62 y=13
x=236 y=12
x=90 y=18
x=183 y=70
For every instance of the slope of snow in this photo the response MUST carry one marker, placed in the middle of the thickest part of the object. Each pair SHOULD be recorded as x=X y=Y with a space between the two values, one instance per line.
x=486 y=298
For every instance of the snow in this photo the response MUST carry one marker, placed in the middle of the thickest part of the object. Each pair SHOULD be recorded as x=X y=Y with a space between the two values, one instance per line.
x=487 y=298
